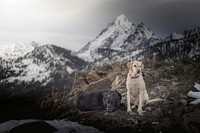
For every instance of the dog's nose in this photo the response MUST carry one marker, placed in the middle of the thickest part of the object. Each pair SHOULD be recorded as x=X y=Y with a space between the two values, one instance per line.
x=108 y=110
x=138 y=71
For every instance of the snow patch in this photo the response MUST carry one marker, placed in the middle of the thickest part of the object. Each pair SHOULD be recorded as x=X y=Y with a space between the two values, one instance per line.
x=195 y=95
x=31 y=71
x=70 y=70
x=62 y=126
x=6 y=126
x=197 y=86
x=16 y=50
x=195 y=102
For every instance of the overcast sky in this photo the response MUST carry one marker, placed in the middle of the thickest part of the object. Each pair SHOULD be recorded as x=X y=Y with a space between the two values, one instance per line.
x=73 y=23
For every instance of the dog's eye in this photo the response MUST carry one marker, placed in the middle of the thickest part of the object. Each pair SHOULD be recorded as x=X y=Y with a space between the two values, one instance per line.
x=134 y=65
x=140 y=66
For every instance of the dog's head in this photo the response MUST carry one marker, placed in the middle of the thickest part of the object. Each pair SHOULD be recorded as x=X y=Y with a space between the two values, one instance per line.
x=111 y=100
x=135 y=68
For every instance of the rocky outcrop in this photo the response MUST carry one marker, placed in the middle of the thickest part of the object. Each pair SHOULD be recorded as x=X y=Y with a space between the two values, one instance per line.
x=92 y=77
x=161 y=79
x=103 y=83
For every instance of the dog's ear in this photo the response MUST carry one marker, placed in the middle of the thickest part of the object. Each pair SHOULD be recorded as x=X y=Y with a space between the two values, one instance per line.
x=129 y=65
x=142 y=65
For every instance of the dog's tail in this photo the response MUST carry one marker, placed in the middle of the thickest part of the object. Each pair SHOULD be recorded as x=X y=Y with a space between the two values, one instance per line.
x=155 y=100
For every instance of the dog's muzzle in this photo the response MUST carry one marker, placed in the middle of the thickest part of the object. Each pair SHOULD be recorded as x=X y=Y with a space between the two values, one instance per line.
x=138 y=71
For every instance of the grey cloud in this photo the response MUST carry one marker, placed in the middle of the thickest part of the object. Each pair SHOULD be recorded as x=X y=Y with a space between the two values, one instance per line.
x=161 y=16
x=166 y=16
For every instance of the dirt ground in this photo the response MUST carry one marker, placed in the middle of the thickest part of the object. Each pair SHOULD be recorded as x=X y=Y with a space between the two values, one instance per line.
x=157 y=118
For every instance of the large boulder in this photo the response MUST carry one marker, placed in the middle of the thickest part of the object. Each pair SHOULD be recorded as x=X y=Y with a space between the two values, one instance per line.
x=82 y=85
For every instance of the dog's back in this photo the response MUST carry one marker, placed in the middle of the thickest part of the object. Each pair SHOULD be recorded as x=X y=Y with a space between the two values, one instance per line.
x=99 y=100
x=90 y=101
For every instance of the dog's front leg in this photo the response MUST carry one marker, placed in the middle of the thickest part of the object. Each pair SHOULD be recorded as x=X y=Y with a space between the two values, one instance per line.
x=139 y=110
x=128 y=101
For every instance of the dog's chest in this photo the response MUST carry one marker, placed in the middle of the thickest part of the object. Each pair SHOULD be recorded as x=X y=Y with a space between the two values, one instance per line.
x=135 y=86
x=135 y=83
x=134 y=92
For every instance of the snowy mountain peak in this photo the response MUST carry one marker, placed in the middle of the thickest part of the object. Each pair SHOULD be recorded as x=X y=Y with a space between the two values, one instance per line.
x=120 y=35
x=123 y=21
x=19 y=46
x=16 y=50
x=121 y=17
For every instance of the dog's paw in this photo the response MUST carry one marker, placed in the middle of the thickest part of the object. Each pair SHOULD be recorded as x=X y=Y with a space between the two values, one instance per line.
x=129 y=110
x=139 y=110
x=131 y=113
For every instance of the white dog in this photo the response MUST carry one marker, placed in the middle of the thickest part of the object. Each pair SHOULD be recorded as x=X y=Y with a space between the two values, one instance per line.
x=136 y=88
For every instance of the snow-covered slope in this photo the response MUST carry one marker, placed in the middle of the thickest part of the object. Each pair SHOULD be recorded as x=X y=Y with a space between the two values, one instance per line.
x=16 y=50
x=62 y=126
x=120 y=35
x=48 y=67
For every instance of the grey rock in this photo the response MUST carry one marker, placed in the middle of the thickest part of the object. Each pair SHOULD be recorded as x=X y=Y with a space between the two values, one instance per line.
x=157 y=113
x=104 y=83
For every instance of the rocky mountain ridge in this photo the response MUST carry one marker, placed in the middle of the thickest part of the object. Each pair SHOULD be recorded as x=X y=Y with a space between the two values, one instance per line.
x=184 y=45
x=175 y=47
x=44 y=69
x=123 y=40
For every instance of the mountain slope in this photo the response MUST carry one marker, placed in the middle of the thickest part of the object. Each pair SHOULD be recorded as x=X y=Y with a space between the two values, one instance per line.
x=123 y=40
x=120 y=35
x=176 y=46
x=44 y=69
